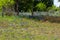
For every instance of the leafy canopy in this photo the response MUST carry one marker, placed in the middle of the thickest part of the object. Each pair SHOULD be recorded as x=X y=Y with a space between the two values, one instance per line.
x=41 y=6
x=6 y=2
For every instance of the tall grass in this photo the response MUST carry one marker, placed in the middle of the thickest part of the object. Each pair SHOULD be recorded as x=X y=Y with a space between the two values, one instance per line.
x=17 y=28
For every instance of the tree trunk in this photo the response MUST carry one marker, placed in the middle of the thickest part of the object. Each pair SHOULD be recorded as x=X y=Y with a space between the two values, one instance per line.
x=16 y=7
x=3 y=10
x=33 y=8
x=32 y=12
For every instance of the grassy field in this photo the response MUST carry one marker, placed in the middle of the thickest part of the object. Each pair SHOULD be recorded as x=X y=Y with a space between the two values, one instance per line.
x=17 y=28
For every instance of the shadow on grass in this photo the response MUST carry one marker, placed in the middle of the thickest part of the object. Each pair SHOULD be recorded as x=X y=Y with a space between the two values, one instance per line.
x=37 y=18
x=42 y=18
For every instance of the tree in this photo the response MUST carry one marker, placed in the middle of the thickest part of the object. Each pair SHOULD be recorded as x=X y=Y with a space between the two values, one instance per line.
x=41 y=7
x=6 y=5
x=47 y=2
x=16 y=6
x=25 y=5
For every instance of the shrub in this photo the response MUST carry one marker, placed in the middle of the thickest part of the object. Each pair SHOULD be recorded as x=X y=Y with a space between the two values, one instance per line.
x=53 y=8
x=41 y=7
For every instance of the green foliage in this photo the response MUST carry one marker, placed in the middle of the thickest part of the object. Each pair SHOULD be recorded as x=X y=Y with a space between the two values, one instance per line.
x=6 y=3
x=48 y=3
x=27 y=5
x=53 y=8
x=50 y=8
x=41 y=6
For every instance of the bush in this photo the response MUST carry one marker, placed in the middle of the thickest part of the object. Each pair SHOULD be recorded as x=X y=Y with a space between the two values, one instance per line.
x=53 y=8
x=8 y=14
x=41 y=7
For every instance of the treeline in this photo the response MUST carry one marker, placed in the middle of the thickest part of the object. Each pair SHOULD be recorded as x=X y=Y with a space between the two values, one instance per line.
x=26 y=5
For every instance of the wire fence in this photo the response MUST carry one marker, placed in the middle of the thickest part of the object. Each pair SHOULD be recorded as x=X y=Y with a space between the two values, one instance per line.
x=54 y=14
x=50 y=13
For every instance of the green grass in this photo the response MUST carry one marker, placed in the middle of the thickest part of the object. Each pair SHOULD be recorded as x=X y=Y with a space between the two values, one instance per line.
x=15 y=28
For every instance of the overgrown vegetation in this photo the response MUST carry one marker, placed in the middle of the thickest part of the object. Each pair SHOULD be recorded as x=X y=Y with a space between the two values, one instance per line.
x=18 y=27
x=15 y=28
x=25 y=5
